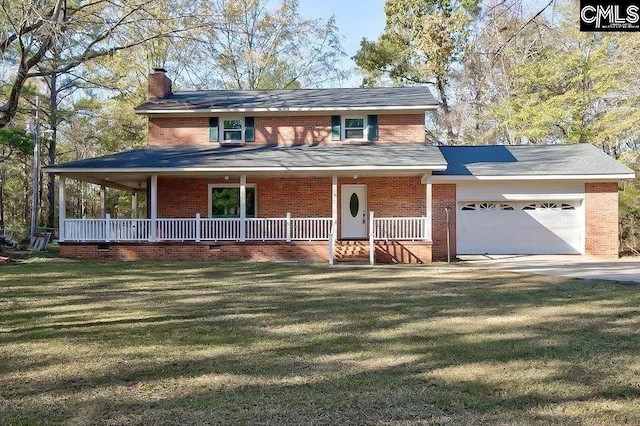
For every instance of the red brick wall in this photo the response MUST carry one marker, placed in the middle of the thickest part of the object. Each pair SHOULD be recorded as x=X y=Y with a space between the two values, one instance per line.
x=178 y=130
x=293 y=130
x=303 y=197
x=302 y=251
x=401 y=128
x=444 y=195
x=601 y=219
x=282 y=130
x=403 y=252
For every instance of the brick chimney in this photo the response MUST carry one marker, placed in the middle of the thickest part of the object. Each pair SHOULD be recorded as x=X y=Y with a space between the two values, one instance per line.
x=159 y=84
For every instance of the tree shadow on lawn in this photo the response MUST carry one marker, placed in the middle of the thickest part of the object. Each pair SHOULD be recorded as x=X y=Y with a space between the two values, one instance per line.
x=246 y=342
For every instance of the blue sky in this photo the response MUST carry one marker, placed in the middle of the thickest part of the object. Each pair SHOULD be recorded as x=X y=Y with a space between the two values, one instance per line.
x=354 y=18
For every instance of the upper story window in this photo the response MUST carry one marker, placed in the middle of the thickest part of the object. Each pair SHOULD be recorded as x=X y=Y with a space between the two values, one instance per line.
x=357 y=128
x=233 y=130
x=354 y=128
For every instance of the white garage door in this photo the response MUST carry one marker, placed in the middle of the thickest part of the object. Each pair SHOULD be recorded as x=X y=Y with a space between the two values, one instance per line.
x=522 y=227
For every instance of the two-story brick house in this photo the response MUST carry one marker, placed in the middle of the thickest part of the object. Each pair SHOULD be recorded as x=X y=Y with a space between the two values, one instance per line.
x=319 y=174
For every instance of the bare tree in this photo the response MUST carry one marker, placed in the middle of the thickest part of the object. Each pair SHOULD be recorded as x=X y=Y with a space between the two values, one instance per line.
x=78 y=32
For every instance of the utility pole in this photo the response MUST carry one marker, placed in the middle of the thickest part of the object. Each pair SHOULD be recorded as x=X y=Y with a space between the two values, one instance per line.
x=35 y=198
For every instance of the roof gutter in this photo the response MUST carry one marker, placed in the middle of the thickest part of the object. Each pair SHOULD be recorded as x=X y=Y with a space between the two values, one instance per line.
x=284 y=109
x=603 y=177
x=240 y=170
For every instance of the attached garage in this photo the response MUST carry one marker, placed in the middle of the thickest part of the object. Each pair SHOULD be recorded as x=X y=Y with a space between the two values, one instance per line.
x=520 y=218
x=532 y=200
x=529 y=227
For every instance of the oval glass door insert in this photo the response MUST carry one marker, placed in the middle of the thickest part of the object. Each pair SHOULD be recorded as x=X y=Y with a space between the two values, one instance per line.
x=354 y=204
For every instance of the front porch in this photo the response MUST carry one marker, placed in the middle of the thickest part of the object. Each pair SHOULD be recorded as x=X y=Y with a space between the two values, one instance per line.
x=234 y=202
x=300 y=237
x=391 y=240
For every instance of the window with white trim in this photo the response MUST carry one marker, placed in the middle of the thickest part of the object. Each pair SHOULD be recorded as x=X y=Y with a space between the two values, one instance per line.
x=224 y=200
x=232 y=130
x=354 y=128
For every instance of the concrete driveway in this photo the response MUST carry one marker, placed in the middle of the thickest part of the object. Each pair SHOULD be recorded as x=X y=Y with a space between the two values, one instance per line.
x=574 y=266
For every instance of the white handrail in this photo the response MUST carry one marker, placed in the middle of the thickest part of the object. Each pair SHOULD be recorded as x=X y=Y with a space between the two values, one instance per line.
x=332 y=242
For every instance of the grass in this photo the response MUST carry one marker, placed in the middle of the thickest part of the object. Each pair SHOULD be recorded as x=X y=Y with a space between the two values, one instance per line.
x=205 y=343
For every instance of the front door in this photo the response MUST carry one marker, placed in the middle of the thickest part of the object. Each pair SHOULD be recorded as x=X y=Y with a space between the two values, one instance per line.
x=354 y=211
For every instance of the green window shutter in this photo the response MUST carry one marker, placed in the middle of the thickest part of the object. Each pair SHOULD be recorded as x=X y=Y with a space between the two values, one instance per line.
x=372 y=122
x=335 y=127
x=213 y=129
x=249 y=129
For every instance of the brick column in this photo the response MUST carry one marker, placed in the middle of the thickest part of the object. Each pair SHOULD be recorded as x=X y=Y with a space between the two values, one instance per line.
x=444 y=195
x=601 y=219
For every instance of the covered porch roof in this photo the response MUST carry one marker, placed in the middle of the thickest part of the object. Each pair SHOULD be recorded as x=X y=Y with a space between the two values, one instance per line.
x=130 y=170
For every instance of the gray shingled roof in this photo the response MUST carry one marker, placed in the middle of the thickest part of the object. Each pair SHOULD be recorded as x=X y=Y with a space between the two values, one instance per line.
x=507 y=160
x=498 y=160
x=356 y=98
x=305 y=157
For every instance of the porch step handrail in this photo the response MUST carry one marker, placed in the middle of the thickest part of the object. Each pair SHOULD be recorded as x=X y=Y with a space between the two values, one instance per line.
x=400 y=228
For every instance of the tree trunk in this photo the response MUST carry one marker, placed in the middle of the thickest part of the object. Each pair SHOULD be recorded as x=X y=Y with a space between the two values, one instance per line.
x=2 y=174
x=53 y=125
x=441 y=86
x=27 y=190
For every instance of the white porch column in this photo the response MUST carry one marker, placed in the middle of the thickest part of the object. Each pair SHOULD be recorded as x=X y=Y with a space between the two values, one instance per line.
x=134 y=205
x=62 y=207
x=243 y=207
x=429 y=210
x=153 y=235
x=334 y=205
x=103 y=210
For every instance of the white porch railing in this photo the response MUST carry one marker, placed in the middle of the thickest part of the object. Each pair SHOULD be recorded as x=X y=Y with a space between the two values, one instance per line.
x=106 y=229
x=198 y=229
x=220 y=229
x=267 y=229
x=176 y=229
x=234 y=229
x=310 y=228
x=400 y=228
x=397 y=228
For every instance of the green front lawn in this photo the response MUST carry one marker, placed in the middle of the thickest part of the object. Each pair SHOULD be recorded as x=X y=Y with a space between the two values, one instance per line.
x=190 y=343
